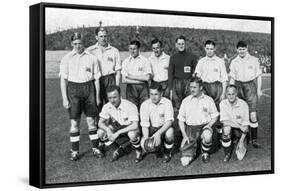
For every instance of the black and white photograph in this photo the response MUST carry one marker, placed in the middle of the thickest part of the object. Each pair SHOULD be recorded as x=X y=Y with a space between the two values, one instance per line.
x=145 y=95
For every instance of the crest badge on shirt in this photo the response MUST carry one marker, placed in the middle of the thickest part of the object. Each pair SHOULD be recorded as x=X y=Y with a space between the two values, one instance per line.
x=216 y=70
x=238 y=117
x=250 y=67
x=161 y=115
x=110 y=59
x=140 y=69
x=88 y=69
x=205 y=109
x=187 y=69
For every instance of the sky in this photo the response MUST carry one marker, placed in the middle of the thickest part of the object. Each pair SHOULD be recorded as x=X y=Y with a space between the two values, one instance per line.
x=61 y=19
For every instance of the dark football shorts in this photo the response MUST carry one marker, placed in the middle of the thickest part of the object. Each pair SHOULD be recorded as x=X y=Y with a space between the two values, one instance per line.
x=105 y=82
x=82 y=99
x=214 y=90
x=248 y=92
x=137 y=93
x=194 y=135
x=180 y=91
x=166 y=91
x=152 y=130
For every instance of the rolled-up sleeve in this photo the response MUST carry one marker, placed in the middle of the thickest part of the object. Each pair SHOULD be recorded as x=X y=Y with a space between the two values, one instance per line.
x=224 y=116
x=133 y=113
x=232 y=72
x=63 y=73
x=245 y=120
x=96 y=68
x=169 y=112
x=181 y=115
x=148 y=67
x=117 y=60
x=104 y=112
x=213 y=109
x=144 y=115
x=124 y=68
x=223 y=77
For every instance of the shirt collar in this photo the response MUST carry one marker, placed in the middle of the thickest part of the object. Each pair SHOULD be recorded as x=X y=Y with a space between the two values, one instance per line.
x=238 y=103
x=212 y=58
x=97 y=46
x=73 y=53
x=159 y=103
x=245 y=58
x=162 y=56
x=120 y=107
x=202 y=96
x=138 y=57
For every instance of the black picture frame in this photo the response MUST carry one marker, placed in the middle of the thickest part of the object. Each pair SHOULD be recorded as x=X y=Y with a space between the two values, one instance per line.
x=37 y=141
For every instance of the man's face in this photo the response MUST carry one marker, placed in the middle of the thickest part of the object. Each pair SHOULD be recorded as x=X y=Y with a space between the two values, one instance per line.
x=114 y=98
x=156 y=48
x=210 y=50
x=242 y=51
x=134 y=50
x=78 y=46
x=231 y=95
x=180 y=45
x=195 y=89
x=102 y=38
x=155 y=96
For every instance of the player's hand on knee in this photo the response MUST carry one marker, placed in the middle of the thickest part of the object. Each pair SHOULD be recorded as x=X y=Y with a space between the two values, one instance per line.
x=66 y=103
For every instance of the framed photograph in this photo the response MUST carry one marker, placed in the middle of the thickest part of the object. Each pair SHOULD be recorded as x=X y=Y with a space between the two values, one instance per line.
x=121 y=95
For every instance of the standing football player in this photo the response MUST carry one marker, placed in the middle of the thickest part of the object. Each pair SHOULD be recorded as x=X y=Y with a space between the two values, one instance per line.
x=181 y=68
x=109 y=61
x=197 y=116
x=119 y=118
x=245 y=73
x=157 y=116
x=160 y=65
x=211 y=69
x=79 y=80
x=136 y=73
x=234 y=115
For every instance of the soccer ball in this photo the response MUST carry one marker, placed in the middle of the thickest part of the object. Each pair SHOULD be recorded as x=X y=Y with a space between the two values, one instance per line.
x=149 y=145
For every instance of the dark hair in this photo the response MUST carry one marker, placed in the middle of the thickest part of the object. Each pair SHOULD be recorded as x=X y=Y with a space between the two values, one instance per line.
x=180 y=37
x=100 y=29
x=156 y=86
x=211 y=42
x=76 y=36
x=135 y=42
x=196 y=80
x=241 y=44
x=113 y=88
x=231 y=86
x=156 y=40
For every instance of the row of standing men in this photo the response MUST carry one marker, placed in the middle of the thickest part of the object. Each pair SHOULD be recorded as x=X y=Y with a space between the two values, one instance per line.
x=90 y=77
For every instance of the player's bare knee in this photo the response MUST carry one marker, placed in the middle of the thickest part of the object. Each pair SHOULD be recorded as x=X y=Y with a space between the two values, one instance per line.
x=226 y=130
x=101 y=133
x=74 y=126
x=90 y=121
x=207 y=136
x=253 y=117
x=169 y=134
x=133 y=135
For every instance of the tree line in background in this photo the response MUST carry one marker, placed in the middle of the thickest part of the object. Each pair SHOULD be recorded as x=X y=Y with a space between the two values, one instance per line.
x=120 y=36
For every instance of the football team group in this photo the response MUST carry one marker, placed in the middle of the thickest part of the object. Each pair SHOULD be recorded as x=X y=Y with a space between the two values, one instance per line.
x=211 y=108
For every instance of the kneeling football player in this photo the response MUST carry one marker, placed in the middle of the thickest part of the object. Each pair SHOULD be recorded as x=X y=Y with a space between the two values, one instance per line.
x=234 y=115
x=197 y=116
x=119 y=119
x=157 y=116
